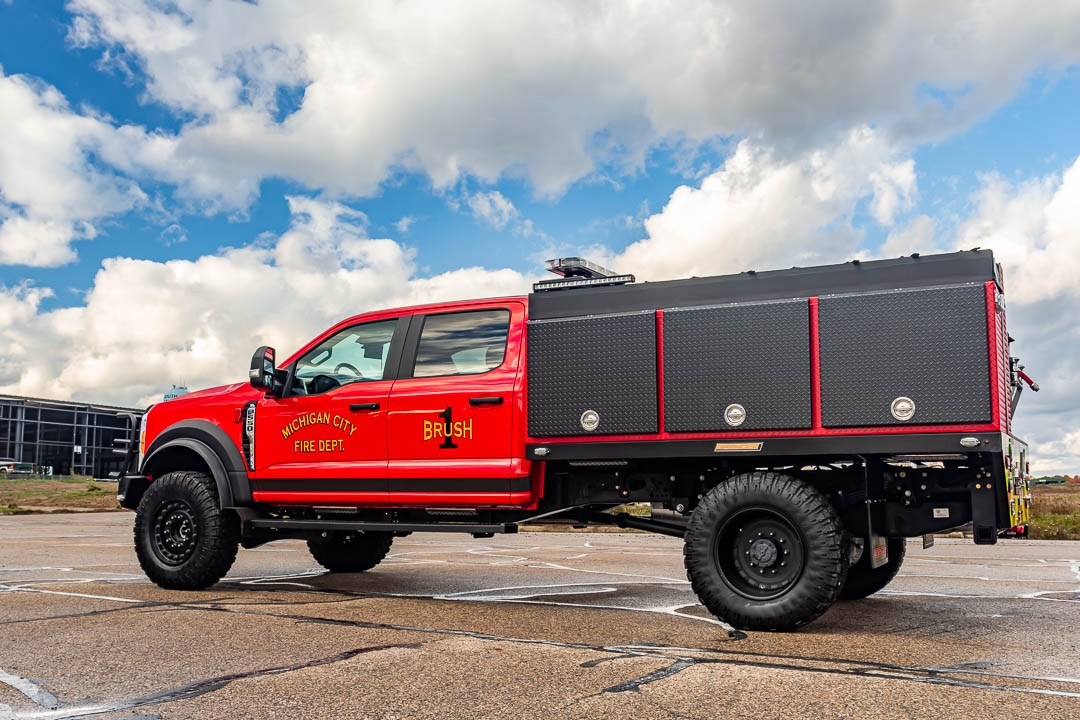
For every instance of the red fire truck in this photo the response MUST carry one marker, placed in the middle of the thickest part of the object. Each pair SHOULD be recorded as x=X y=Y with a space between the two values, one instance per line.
x=793 y=426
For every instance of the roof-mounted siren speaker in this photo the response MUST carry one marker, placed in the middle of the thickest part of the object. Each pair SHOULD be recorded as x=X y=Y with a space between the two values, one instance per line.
x=578 y=272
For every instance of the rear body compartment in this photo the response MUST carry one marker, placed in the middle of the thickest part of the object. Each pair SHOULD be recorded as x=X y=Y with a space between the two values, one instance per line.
x=900 y=363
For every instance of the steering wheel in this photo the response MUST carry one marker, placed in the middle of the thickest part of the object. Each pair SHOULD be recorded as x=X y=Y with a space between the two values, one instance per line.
x=351 y=368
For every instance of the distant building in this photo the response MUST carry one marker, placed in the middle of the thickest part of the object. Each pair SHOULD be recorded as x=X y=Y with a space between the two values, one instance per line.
x=177 y=391
x=71 y=438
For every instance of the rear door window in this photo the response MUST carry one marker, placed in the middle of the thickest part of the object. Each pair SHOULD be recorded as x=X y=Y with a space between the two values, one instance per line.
x=465 y=343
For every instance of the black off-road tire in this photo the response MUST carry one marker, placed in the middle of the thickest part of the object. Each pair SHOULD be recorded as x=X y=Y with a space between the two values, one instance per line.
x=863 y=580
x=351 y=555
x=183 y=539
x=795 y=536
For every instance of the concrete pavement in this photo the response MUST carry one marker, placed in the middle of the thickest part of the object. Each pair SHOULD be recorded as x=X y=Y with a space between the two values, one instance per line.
x=561 y=625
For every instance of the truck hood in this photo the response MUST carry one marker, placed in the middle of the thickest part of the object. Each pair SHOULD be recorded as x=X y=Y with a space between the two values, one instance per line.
x=207 y=393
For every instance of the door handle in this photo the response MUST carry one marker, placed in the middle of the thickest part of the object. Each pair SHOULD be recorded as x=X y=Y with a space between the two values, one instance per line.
x=357 y=407
x=493 y=400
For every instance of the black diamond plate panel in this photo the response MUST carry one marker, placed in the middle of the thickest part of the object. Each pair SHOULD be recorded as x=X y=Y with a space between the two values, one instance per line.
x=756 y=355
x=605 y=363
x=928 y=345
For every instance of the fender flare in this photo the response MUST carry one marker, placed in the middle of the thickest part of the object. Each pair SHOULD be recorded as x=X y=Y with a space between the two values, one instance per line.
x=216 y=449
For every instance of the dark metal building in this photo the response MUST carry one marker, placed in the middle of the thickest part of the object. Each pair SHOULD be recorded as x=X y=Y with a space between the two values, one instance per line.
x=69 y=437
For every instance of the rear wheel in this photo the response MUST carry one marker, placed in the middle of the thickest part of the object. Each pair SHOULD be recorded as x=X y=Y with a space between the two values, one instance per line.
x=183 y=539
x=351 y=554
x=864 y=581
x=764 y=551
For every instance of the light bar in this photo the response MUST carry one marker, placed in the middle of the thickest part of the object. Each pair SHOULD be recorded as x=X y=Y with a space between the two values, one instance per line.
x=578 y=267
x=582 y=282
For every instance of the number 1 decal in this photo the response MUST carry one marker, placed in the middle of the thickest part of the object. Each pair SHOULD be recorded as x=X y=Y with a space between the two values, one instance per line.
x=448 y=428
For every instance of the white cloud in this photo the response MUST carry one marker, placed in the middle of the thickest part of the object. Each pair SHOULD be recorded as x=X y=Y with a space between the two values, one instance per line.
x=761 y=209
x=173 y=234
x=492 y=208
x=1058 y=456
x=917 y=236
x=1034 y=227
x=51 y=192
x=403 y=225
x=894 y=190
x=199 y=320
x=552 y=90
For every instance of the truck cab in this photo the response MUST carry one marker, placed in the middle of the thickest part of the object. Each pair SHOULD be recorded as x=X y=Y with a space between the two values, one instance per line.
x=417 y=407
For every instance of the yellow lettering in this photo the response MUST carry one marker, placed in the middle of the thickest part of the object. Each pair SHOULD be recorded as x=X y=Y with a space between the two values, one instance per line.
x=304 y=446
x=466 y=429
x=290 y=428
x=428 y=434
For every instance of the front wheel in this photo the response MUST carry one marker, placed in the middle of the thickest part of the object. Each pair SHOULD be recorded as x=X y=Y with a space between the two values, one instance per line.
x=183 y=539
x=765 y=551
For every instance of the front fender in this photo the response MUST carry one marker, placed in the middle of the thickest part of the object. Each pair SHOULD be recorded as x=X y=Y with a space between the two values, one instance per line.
x=214 y=447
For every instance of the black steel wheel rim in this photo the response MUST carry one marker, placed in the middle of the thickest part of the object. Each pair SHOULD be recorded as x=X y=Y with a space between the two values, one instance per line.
x=175 y=532
x=760 y=553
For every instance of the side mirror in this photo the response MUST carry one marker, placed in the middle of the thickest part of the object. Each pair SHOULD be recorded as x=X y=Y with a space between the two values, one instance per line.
x=263 y=369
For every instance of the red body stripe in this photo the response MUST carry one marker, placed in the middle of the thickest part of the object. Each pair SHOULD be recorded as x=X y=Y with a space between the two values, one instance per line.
x=995 y=359
x=815 y=367
x=660 y=368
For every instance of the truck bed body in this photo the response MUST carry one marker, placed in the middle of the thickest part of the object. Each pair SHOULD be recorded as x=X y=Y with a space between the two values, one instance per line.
x=809 y=353
x=813 y=357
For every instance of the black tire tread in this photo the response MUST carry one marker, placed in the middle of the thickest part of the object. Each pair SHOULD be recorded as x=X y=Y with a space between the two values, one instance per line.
x=364 y=552
x=863 y=581
x=220 y=533
x=818 y=588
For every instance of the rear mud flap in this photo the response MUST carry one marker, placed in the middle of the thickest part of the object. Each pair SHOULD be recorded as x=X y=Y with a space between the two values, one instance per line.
x=984 y=513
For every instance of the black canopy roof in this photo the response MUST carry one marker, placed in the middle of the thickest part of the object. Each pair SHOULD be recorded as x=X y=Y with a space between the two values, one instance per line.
x=971 y=266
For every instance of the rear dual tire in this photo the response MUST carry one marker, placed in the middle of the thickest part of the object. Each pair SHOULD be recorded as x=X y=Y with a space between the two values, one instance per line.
x=353 y=554
x=765 y=551
x=863 y=580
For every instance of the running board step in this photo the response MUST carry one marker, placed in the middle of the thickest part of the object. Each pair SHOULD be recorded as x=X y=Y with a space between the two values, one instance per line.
x=337 y=524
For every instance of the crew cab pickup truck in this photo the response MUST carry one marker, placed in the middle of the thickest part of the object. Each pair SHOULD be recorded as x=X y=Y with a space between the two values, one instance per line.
x=793 y=426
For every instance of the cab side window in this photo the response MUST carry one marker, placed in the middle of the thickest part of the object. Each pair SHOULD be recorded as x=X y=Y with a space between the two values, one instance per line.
x=464 y=343
x=355 y=354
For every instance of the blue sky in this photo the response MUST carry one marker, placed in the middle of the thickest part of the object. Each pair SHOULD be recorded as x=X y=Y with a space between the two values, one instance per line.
x=698 y=138
x=1031 y=135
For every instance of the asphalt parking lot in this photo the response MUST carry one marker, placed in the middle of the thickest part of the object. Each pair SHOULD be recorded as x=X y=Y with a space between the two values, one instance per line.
x=555 y=625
